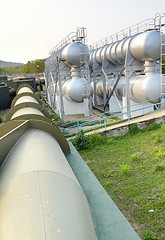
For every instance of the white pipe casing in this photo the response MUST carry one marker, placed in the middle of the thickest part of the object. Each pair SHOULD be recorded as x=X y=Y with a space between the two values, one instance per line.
x=26 y=99
x=40 y=196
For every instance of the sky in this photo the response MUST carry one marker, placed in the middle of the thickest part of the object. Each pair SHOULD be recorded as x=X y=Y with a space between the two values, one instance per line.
x=29 y=29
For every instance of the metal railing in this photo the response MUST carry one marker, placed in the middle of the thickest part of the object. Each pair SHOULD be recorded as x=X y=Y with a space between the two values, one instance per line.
x=108 y=118
x=137 y=28
x=79 y=35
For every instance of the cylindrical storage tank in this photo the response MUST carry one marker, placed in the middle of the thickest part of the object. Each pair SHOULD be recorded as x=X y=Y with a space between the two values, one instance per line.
x=103 y=52
x=143 y=87
x=146 y=46
x=73 y=53
x=76 y=89
x=99 y=88
x=91 y=58
x=146 y=87
x=108 y=53
x=98 y=56
x=125 y=46
x=121 y=50
x=40 y=195
x=113 y=53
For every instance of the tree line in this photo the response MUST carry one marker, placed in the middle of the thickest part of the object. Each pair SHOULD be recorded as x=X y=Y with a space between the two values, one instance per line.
x=34 y=66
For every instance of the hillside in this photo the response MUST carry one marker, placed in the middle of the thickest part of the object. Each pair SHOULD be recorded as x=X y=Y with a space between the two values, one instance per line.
x=34 y=66
x=4 y=64
x=131 y=169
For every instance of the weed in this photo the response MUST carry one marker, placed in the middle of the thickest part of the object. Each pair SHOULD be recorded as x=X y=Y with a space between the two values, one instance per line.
x=160 y=154
x=0 y=118
x=160 y=168
x=149 y=235
x=136 y=157
x=125 y=169
x=163 y=126
x=157 y=140
x=152 y=126
x=96 y=139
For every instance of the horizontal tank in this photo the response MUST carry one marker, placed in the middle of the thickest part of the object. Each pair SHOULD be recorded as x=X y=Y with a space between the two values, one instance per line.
x=143 y=46
x=143 y=87
x=74 y=53
x=76 y=89
x=99 y=88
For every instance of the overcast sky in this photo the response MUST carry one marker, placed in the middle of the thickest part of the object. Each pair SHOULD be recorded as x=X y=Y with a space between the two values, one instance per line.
x=29 y=29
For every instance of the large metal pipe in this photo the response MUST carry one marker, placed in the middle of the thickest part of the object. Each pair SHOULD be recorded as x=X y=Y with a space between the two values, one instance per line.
x=143 y=46
x=40 y=197
x=142 y=87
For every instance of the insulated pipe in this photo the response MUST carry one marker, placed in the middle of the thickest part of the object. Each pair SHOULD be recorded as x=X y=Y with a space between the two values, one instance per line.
x=143 y=46
x=40 y=197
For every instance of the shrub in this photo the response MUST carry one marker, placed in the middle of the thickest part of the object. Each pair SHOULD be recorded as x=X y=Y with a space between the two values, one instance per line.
x=152 y=126
x=133 y=129
x=81 y=141
x=96 y=139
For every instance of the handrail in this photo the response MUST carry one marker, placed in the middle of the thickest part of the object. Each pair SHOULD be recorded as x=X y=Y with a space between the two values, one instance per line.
x=79 y=35
x=134 y=29
x=80 y=125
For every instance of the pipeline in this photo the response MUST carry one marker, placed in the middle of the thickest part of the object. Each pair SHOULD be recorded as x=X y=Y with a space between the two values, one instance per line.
x=40 y=197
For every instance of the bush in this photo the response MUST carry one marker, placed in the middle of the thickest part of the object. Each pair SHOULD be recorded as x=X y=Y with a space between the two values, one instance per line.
x=81 y=141
x=152 y=126
x=133 y=129
x=96 y=139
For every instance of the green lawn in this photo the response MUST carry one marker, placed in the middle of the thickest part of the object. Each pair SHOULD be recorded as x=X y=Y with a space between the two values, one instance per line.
x=131 y=168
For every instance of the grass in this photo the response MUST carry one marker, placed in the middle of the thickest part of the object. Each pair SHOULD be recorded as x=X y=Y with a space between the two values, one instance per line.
x=0 y=117
x=131 y=168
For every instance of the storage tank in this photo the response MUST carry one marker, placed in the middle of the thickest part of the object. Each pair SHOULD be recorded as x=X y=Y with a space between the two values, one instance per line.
x=143 y=87
x=146 y=46
x=143 y=46
x=76 y=88
x=74 y=52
